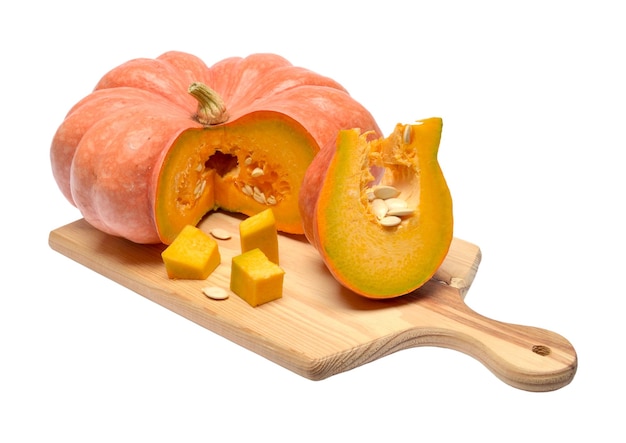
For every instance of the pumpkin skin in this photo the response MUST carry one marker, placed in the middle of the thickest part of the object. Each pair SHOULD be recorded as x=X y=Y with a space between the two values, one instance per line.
x=370 y=259
x=133 y=154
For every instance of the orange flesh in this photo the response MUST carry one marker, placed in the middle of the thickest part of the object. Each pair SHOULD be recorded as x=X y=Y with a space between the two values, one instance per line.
x=224 y=158
x=373 y=260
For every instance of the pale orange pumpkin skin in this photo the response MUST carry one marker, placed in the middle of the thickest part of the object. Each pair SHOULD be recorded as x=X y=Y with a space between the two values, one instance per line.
x=108 y=152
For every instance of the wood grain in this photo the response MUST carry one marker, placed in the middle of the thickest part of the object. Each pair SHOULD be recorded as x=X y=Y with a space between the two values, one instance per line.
x=318 y=328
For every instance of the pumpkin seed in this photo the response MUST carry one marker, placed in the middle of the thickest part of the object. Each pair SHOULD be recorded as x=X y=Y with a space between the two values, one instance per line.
x=401 y=212
x=407 y=134
x=385 y=192
x=395 y=203
x=247 y=189
x=271 y=200
x=257 y=172
x=215 y=292
x=390 y=221
x=220 y=234
x=199 y=189
x=379 y=208
x=258 y=196
x=248 y=161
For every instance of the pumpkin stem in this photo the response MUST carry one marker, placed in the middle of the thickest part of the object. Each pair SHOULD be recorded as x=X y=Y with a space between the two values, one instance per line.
x=211 y=107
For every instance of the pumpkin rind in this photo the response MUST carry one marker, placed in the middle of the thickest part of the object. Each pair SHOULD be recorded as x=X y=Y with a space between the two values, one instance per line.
x=108 y=154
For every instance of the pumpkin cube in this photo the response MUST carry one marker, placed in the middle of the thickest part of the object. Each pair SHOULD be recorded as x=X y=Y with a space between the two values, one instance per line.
x=259 y=231
x=255 y=278
x=192 y=255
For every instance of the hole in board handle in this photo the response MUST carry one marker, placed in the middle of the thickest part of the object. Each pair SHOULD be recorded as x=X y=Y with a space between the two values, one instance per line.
x=541 y=350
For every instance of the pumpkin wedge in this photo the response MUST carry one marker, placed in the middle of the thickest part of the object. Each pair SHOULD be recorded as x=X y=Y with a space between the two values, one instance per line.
x=380 y=254
x=161 y=142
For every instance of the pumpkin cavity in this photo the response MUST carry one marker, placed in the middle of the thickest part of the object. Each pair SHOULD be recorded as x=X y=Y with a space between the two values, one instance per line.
x=222 y=163
x=261 y=181
x=390 y=192
x=255 y=179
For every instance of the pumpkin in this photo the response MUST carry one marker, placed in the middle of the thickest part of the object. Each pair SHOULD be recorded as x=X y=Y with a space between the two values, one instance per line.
x=380 y=254
x=161 y=142
x=259 y=231
x=255 y=278
x=193 y=255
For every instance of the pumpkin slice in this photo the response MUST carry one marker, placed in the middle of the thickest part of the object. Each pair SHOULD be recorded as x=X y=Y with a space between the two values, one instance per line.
x=259 y=231
x=255 y=278
x=380 y=255
x=192 y=255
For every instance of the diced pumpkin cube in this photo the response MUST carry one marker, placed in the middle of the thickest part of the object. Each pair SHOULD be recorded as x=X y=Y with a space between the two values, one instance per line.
x=255 y=278
x=259 y=231
x=192 y=255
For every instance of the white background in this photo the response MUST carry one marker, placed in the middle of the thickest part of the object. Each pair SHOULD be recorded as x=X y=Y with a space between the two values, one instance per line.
x=533 y=100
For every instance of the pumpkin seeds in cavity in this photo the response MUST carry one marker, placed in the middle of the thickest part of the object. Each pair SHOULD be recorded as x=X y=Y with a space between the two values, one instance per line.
x=385 y=192
x=387 y=206
x=257 y=172
x=390 y=221
x=259 y=196
x=256 y=193
x=220 y=234
x=215 y=292
x=247 y=189
x=199 y=189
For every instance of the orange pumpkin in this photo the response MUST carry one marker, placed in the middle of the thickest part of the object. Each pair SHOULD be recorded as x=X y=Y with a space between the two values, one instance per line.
x=161 y=142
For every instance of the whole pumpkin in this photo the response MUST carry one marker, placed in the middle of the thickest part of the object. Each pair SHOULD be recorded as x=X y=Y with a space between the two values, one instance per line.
x=161 y=142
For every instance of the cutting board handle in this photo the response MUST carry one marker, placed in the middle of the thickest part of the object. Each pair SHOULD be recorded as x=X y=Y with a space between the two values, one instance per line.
x=526 y=357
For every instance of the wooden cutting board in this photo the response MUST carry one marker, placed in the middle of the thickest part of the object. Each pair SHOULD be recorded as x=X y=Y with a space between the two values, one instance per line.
x=319 y=329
